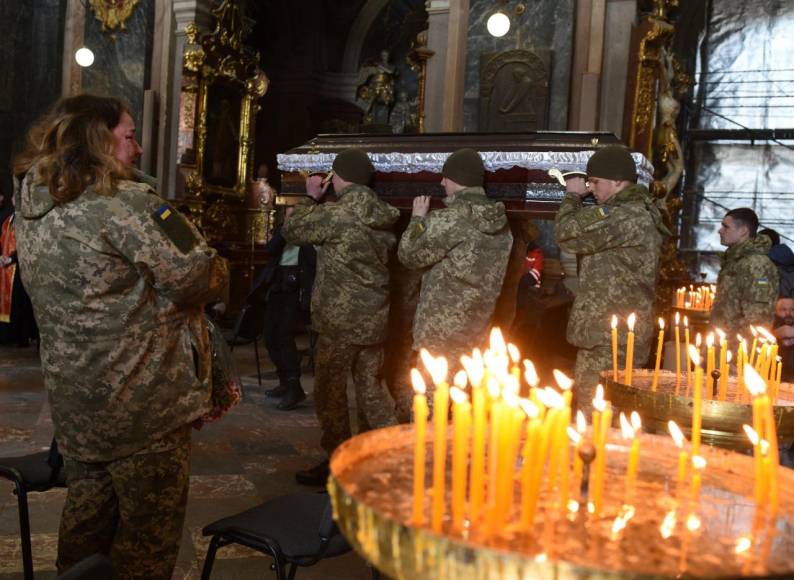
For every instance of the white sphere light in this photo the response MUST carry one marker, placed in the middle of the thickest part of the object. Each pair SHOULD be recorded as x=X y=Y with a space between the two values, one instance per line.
x=84 y=57
x=498 y=24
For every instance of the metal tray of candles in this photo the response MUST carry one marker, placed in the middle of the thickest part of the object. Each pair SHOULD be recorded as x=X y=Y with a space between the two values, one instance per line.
x=721 y=420
x=720 y=534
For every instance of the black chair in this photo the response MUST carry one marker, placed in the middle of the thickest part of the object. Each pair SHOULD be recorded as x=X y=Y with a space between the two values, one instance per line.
x=249 y=327
x=96 y=567
x=296 y=529
x=36 y=472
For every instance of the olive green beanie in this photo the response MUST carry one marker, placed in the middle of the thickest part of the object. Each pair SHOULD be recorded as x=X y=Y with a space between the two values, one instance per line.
x=464 y=167
x=354 y=166
x=612 y=162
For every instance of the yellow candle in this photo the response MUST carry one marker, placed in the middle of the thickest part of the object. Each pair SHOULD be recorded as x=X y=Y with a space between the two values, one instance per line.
x=688 y=360
x=752 y=435
x=420 y=422
x=461 y=418
x=659 y=347
x=678 y=437
x=696 y=403
x=710 y=361
x=614 y=348
x=496 y=425
x=477 y=455
x=438 y=370
x=531 y=458
x=741 y=358
x=698 y=463
x=630 y=348
x=677 y=354
x=565 y=457
x=581 y=429
x=606 y=421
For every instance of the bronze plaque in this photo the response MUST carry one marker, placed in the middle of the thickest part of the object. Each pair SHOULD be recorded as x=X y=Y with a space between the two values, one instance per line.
x=514 y=90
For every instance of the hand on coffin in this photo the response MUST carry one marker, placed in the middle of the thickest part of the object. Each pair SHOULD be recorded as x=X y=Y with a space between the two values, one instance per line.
x=315 y=187
x=421 y=206
x=577 y=186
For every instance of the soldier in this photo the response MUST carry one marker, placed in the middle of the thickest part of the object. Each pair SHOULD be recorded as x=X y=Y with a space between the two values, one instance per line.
x=617 y=243
x=350 y=301
x=118 y=281
x=465 y=248
x=748 y=281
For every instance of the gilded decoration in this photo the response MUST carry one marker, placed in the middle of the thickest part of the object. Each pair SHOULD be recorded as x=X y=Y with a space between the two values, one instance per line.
x=113 y=13
x=417 y=60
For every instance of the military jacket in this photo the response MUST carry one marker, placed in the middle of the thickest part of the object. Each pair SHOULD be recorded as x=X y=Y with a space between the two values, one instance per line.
x=354 y=237
x=465 y=248
x=618 y=247
x=747 y=288
x=119 y=309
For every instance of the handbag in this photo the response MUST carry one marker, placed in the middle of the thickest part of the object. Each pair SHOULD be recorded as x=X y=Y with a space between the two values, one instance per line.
x=226 y=385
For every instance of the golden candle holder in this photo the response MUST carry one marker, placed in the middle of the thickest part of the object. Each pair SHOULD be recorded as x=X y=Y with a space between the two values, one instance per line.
x=662 y=534
x=722 y=420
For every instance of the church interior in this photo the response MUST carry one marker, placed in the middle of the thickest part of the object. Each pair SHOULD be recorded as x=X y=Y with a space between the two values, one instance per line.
x=237 y=103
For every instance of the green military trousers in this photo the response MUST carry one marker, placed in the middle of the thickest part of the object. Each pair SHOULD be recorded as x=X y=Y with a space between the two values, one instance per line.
x=334 y=360
x=132 y=509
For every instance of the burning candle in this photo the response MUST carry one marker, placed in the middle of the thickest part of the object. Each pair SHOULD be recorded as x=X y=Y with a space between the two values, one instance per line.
x=698 y=463
x=532 y=455
x=437 y=367
x=461 y=419
x=420 y=421
x=677 y=354
x=659 y=346
x=474 y=370
x=630 y=347
x=614 y=348
x=710 y=360
x=688 y=360
x=764 y=424
x=697 y=402
x=581 y=429
x=752 y=435
x=606 y=421
x=683 y=457
x=723 y=384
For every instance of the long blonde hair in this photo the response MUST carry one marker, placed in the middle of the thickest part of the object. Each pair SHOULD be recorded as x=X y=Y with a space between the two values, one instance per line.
x=72 y=147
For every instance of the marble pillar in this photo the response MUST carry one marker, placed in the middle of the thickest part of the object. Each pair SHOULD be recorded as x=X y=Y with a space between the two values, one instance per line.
x=588 y=55
x=620 y=17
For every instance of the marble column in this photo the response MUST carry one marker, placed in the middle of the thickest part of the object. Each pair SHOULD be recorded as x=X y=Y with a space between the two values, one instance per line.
x=73 y=38
x=620 y=18
x=448 y=26
x=587 y=63
x=171 y=19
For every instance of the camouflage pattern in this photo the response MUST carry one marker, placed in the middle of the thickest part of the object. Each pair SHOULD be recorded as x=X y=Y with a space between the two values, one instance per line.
x=618 y=246
x=350 y=299
x=132 y=509
x=119 y=308
x=747 y=288
x=465 y=249
x=334 y=359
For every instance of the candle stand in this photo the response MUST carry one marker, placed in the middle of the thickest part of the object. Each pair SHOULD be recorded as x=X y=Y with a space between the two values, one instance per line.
x=722 y=420
x=664 y=533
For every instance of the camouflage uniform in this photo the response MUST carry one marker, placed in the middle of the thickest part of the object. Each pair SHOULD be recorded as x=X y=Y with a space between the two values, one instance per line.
x=118 y=284
x=350 y=304
x=618 y=246
x=465 y=248
x=747 y=288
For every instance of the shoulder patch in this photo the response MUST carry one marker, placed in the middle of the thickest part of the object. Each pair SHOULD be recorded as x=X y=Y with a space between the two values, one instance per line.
x=762 y=281
x=592 y=215
x=175 y=227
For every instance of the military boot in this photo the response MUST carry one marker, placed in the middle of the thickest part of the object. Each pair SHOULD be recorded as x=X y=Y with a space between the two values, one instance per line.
x=293 y=395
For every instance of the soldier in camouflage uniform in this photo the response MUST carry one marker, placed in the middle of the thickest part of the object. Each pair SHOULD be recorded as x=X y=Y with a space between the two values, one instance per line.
x=118 y=280
x=748 y=281
x=350 y=302
x=618 y=244
x=464 y=249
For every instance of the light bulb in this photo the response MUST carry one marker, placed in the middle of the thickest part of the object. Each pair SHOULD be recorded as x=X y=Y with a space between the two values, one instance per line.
x=498 y=24
x=84 y=57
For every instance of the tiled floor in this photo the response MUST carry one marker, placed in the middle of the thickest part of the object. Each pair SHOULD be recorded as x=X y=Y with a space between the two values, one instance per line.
x=248 y=457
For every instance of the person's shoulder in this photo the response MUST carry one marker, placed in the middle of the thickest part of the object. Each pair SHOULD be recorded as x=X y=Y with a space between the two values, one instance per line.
x=135 y=197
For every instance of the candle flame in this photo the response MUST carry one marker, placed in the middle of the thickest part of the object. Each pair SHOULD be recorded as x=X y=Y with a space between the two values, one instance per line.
x=497 y=341
x=720 y=333
x=753 y=381
x=458 y=396
x=473 y=368
x=763 y=445
x=751 y=434
x=698 y=462
x=767 y=335
x=675 y=432
x=512 y=385
x=581 y=422
x=625 y=427
x=530 y=374
x=614 y=321
x=460 y=380
x=512 y=350
x=540 y=558
x=753 y=330
x=437 y=367
x=551 y=398
x=636 y=422
x=686 y=321
x=693 y=523
x=694 y=355
x=698 y=340
x=630 y=321
x=661 y=323
x=729 y=356
x=427 y=358
x=493 y=387
x=598 y=401
x=677 y=318
x=710 y=340
x=563 y=381
x=668 y=524
x=510 y=398
x=530 y=408
x=573 y=435
x=573 y=506
x=743 y=544
x=418 y=382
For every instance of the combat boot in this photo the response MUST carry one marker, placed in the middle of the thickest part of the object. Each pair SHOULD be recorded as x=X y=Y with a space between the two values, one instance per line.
x=293 y=396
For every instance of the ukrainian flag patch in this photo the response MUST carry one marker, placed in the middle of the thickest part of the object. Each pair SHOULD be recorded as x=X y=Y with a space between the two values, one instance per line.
x=175 y=227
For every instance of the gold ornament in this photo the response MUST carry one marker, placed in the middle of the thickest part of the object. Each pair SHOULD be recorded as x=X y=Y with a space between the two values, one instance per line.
x=113 y=13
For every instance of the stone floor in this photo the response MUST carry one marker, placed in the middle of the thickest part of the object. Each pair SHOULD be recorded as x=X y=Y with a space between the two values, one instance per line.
x=248 y=457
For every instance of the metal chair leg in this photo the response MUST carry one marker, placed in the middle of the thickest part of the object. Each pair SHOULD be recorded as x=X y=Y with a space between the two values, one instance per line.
x=24 y=530
x=209 y=561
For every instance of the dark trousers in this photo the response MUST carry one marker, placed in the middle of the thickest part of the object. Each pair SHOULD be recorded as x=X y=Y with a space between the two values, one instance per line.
x=282 y=314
